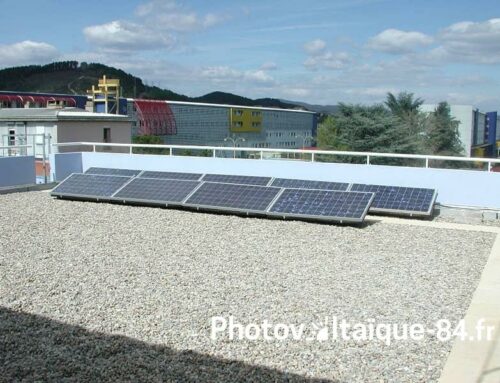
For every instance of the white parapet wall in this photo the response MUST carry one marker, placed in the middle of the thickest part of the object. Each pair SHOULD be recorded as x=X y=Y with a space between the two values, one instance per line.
x=465 y=188
x=17 y=171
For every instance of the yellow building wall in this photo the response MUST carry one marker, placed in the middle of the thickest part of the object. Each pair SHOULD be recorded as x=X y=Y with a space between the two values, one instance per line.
x=245 y=120
x=478 y=152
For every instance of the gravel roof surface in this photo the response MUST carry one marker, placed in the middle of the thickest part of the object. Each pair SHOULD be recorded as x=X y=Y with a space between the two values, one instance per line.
x=93 y=291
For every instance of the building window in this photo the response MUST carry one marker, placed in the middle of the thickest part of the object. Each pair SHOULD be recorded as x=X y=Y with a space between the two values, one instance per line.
x=106 y=135
x=238 y=112
x=12 y=137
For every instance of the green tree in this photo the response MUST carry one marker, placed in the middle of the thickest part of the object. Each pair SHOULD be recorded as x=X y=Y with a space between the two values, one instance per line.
x=369 y=129
x=329 y=135
x=405 y=107
x=404 y=104
x=149 y=140
x=364 y=128
x=442 y=137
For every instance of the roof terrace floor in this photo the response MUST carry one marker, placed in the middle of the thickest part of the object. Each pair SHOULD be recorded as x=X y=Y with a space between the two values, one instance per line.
x=93 y=290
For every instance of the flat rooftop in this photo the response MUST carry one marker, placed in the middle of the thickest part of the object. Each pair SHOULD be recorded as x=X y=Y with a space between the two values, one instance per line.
x=100 y=291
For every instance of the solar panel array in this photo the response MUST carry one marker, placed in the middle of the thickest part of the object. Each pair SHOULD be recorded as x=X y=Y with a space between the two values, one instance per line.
x=113 y=172
x=282 y=197
x=308 y=184
x=171 y=175
x=329 y=204
x=230 y=179
x=397 y=199
x=154 y=190
x=248 y=198
x=89 y=186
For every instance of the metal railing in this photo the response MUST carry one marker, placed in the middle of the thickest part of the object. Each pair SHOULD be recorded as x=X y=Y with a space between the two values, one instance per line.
x=13 y=150
x=41 y=150
x=367 y=156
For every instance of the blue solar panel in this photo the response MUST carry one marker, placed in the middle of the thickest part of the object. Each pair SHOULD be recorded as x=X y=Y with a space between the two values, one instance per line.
x=400 y=200
x=308 y=184
x=172 y=175
x=113 y=172
x=230 y=179
x=89 y=185
x=156 y=190
x=322 y=204
x=233 y=197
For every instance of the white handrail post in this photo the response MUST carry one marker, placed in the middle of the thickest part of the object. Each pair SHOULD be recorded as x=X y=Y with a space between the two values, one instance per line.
x=214 y=153
x=489 y=166
x=130 y=151
x=261 y=154
x=170 y=152
x=312 y=157
x=93 y=148
x=368 y=159
x=427 y=162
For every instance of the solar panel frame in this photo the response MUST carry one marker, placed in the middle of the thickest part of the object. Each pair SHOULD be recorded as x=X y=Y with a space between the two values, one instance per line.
x=406 y=212
x=237 y=179
x=327 y=218
x=112 y=172
x=291 y=183
x=187 y=186
x=192 y=202
x=120 y=182
x=171 y=175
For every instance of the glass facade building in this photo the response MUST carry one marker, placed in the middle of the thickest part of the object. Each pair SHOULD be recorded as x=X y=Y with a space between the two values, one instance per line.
x=210 y=124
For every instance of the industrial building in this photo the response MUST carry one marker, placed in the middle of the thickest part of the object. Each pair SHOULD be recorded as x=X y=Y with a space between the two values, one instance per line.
x=186 y=123
x=40 y=127
x=477 y=130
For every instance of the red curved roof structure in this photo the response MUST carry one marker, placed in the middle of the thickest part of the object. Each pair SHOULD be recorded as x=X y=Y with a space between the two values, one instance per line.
x=155 y=118
x=70 y=101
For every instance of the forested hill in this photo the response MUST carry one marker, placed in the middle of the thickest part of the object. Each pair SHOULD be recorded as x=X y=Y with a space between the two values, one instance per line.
x=72 y=77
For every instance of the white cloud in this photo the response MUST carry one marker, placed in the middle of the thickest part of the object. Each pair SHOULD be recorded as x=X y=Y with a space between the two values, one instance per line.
x=269 y=66
x=156 y=26
x=375 y=92
x=219 y=74
x=123 y=35
x=477 y=42
x=168 y=15
x=328 y=60
x=259 y=76
x=319 y=57
x=396 y=41
x=315 y=46
x=295 y=92
x=27 y=52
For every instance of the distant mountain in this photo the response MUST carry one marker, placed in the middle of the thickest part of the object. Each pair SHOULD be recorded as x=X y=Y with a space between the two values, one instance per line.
x=233 y=99
x=325 y=109
x=71 y=77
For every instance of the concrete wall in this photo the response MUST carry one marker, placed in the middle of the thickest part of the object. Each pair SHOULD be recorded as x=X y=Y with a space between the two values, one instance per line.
x=78 y=131
x=63 y=164
x=17 y=171
x=455 y=187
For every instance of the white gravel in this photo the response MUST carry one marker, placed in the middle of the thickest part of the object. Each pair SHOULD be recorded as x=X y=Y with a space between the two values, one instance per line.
x=94 y=291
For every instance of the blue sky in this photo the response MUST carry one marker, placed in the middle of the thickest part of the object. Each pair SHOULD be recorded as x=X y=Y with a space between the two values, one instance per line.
x=318 y=51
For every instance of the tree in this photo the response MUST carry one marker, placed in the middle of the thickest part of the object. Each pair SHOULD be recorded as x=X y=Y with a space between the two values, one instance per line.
x=329 y=135
x=404 y=104
x=146 y=139
x=406 y=109
x=364 y=128
x=442 y=137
